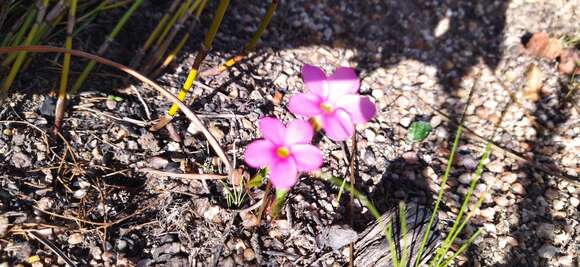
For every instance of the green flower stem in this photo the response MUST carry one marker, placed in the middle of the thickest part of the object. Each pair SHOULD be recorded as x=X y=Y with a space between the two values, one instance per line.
x=172 y=55
x=181 y=12
x=403 y=221
x=463 y=247
x=20 y=28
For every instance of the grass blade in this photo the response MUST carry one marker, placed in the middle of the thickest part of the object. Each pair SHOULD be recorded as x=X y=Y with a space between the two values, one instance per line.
x=446 y=174
x=191 y=77
x=251 y=45
x=7 y=83
x=103 y=48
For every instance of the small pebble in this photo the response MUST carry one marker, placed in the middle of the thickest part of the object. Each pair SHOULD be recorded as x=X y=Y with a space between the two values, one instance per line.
x=547 y=251
x=574 y=202
x=406 y=121
x=158 y=163
x=465 y=178
x=75 y=239
x=370 y=135
x=488 y=213
x=510 y=177
x=502 y=201
x=559 y=205
x=21 y=160
x=566 y=261
x=249 y=254
x=410 y=157
x=111 y=104
x=518 y=188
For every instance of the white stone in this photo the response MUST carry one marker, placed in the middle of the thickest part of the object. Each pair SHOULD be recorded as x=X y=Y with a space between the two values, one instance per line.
x=559 y=205
x=574 y=201
x=465 y=178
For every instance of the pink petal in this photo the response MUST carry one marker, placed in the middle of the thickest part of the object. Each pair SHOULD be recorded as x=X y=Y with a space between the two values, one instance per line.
x=343 y=81
x=315 y=80
x=272 y=129
x=360 y=108
x=284 y=174
x=260 y=153
x=338 y=125
x=305 y=104
x=308 y=157
x=298 y=131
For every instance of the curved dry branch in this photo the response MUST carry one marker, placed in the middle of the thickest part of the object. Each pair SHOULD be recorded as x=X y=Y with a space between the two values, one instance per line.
x=188 y=113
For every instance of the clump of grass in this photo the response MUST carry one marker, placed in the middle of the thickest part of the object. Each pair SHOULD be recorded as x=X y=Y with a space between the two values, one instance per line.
x=41 y=7
x=136 y=60
x=173 y=53
x=440 y=257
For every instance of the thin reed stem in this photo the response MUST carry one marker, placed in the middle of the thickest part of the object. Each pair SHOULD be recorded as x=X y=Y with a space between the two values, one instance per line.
x=7 y=83
x=205 y=48
x=251 y=45
x=103 y=48
x=60 y=103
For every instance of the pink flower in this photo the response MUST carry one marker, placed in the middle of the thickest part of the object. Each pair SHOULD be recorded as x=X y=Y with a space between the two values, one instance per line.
x=334 y=101
x=284 y=150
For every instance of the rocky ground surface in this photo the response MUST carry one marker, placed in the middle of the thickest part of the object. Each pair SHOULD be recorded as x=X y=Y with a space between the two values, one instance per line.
x=83 y=192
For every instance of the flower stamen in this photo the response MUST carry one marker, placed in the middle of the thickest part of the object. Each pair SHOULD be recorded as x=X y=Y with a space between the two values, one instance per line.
x=326 y=107
x=282 y=152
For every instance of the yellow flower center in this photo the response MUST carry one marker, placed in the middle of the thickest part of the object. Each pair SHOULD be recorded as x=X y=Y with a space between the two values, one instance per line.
x=327 y=108
x=282 y=152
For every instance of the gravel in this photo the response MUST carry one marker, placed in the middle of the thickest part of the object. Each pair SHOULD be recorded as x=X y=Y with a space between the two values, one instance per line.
x=414 y=70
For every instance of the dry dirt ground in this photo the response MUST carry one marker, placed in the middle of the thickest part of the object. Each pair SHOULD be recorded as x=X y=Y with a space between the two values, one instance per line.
x=82 y=194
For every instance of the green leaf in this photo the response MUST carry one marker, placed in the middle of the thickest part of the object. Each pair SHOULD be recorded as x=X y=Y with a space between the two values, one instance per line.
x=115 y=98
x=418 y=131
x=256 y=181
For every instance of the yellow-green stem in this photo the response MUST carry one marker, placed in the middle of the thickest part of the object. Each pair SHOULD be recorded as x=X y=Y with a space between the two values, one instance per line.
x=7 y=83
x=138 y=57
x=403 y=223
x=263 y=24
x=178 y=15
x=173 y=54
x=159 y=49
x=60 y=103
x=455 y=230
x=15 y=39
x=207 y=44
